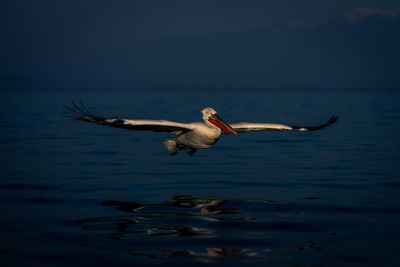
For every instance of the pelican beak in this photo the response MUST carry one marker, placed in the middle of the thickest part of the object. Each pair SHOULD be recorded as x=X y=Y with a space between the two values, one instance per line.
x=217 y=121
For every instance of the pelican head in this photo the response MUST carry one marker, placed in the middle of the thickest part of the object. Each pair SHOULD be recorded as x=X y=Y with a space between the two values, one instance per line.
x=211 y=119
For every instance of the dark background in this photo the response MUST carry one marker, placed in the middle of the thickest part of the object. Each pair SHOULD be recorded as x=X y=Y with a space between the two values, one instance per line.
x=60 y=45
x=328 y=197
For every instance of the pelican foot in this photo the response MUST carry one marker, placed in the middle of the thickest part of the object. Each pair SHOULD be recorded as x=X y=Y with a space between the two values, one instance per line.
x=192 y=151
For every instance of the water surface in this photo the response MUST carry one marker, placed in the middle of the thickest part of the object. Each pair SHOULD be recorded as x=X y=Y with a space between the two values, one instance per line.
x=76 y=193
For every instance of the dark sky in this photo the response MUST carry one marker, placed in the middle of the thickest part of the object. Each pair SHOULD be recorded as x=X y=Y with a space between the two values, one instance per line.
x=339 y=44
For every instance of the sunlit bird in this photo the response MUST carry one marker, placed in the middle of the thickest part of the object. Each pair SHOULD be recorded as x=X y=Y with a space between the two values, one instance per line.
x=189 y=136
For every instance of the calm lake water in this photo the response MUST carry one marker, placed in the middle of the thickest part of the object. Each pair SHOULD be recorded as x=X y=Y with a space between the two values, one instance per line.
x=74 y=193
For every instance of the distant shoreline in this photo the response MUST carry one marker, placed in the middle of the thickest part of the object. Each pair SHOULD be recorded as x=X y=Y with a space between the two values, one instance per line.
x=199 y=89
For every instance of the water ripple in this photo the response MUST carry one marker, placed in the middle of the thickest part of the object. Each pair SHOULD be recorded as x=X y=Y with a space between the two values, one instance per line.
x=245 y=230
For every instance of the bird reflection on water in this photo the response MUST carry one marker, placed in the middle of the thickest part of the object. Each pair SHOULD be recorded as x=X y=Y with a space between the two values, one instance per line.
x=194 y=228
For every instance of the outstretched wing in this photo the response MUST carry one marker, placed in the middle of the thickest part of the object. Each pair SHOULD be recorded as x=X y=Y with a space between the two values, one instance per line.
x=80 y=112
x=256 y=127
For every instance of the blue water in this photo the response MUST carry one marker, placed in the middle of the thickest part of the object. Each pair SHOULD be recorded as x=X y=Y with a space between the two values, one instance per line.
x=74 y=193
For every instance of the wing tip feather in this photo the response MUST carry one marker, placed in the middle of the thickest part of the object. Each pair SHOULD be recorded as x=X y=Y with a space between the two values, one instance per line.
x=80 y=112
x=331 y=121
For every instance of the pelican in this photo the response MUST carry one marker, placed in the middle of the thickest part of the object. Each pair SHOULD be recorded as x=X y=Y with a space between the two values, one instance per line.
x=189 y=136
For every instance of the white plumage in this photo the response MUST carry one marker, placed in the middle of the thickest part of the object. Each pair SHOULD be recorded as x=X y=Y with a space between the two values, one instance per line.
x=190 y=136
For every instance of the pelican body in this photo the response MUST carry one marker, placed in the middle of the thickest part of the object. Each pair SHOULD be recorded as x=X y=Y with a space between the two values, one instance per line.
x=189 y=136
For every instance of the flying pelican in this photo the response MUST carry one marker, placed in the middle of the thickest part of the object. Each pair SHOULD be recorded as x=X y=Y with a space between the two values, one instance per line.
x=192 y=136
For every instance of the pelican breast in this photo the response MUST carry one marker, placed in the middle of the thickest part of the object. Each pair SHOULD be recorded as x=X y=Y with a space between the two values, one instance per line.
x=201 y=136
